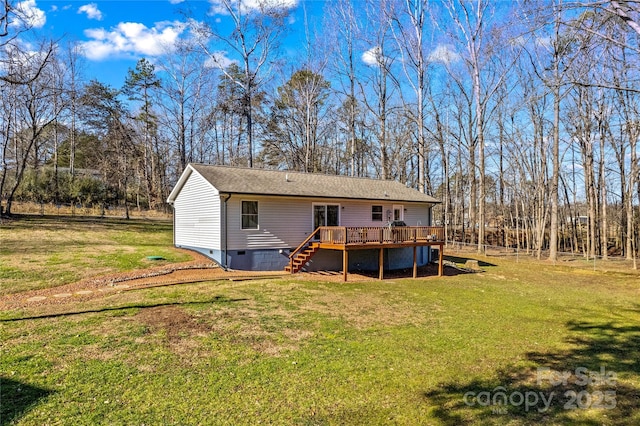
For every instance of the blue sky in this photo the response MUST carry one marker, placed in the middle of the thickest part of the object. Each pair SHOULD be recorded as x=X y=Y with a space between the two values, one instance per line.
x=115 y=34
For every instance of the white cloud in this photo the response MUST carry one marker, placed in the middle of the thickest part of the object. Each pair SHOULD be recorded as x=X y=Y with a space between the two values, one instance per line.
x=91 y=10
x=218 y=7
x=543 y=42
x=23 y=56
x=132 y=39
x=219 y=59
x=29 y=15
x=445 y=54
x=374 y=57
x=176 y=1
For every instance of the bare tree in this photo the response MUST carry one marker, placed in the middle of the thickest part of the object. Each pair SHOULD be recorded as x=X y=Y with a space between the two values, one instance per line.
x=552 y=55
x=5 y=10
x=344 y=29
x=476 y=32
x=74 y=67
x=185 y=99
x=254 y=39
x=410 y=34
x=13 y=22
x=627 y=10
x=380 y=58
x=33 y=109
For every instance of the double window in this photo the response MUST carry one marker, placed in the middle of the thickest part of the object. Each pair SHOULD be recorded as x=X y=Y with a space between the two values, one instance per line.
x=249 y=215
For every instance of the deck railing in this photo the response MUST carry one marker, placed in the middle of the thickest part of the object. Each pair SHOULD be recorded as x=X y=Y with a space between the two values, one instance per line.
x=375 y=234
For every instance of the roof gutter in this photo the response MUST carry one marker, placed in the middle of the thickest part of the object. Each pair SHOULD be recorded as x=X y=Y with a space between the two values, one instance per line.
x=381 y=200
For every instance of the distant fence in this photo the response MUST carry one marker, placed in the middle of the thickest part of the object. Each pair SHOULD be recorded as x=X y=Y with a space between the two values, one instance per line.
x=50 y=209
x=576 y=260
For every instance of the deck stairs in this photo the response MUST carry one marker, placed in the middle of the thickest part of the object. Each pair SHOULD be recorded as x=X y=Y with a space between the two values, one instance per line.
x=300 y=260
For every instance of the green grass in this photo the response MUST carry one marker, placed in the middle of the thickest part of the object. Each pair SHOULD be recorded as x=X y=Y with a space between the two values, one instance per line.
x=40 y=252
x=291 y=351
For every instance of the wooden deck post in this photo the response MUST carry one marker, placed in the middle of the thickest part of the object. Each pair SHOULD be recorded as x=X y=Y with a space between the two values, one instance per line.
x=440 y=260
x=345 y=264
x=415 y=262
x=381 y=264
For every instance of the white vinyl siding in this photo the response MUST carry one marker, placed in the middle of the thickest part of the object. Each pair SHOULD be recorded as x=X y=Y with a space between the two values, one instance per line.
x=358 y=213
x=417 y=214
x=284 y=223
x=287 y=221
x=197 y=214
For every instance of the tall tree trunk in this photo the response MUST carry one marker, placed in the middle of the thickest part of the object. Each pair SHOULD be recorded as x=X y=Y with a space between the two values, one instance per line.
x=604 y=231
x=553 y=232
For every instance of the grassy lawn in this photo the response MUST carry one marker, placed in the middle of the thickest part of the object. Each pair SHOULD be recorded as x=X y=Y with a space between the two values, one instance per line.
x=291 y=351
x=38 y=252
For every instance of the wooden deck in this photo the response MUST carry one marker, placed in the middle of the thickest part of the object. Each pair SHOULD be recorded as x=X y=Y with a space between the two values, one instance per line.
x=347 y=238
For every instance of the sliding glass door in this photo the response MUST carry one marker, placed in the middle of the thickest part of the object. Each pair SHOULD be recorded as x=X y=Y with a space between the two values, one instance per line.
x=326 y=215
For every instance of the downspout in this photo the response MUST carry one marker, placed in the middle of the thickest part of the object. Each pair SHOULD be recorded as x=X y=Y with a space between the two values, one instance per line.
x=173 y=221
x=173 y=217
x=225 y=264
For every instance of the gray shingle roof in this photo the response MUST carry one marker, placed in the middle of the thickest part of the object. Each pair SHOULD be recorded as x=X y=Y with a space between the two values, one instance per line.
x=237 y=180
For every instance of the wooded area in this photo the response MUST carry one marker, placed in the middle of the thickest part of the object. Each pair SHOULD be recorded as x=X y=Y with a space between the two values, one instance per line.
x=523 y=117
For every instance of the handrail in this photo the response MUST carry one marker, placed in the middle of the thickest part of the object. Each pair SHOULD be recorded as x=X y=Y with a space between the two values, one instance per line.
x=378 y=234
x=299 y=248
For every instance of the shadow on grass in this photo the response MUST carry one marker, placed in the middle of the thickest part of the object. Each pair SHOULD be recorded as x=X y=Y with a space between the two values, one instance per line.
x=18 y=398
x=561 y=387
x=216 y=299
x=426 y=271
x=463 y=260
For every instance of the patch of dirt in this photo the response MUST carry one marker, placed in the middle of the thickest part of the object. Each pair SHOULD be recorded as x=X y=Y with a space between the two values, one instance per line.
x=173 y=321
x=238 y=325
x=199 y=269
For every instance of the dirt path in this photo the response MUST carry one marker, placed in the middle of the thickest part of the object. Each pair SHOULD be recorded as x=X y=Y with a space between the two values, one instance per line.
x=197 y=270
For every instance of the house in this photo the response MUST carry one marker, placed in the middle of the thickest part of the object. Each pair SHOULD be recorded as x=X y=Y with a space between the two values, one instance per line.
x=255 y=219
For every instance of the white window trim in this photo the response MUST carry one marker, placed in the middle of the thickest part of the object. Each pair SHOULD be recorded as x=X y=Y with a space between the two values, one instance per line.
x=257 y=228
x=381 y=213
x=313 y=209
x=398 y=207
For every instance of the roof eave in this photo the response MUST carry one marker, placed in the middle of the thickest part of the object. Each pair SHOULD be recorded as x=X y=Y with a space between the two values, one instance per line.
x=389 y=200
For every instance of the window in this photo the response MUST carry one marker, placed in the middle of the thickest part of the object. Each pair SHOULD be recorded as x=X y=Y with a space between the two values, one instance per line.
x=376 y=213
x=249 y=215
x=398 y=212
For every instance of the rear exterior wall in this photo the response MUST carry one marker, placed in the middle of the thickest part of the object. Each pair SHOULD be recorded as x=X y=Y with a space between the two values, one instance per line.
x=285 y=222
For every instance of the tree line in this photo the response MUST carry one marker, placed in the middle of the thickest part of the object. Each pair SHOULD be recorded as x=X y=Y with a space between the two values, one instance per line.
x=523 y=118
